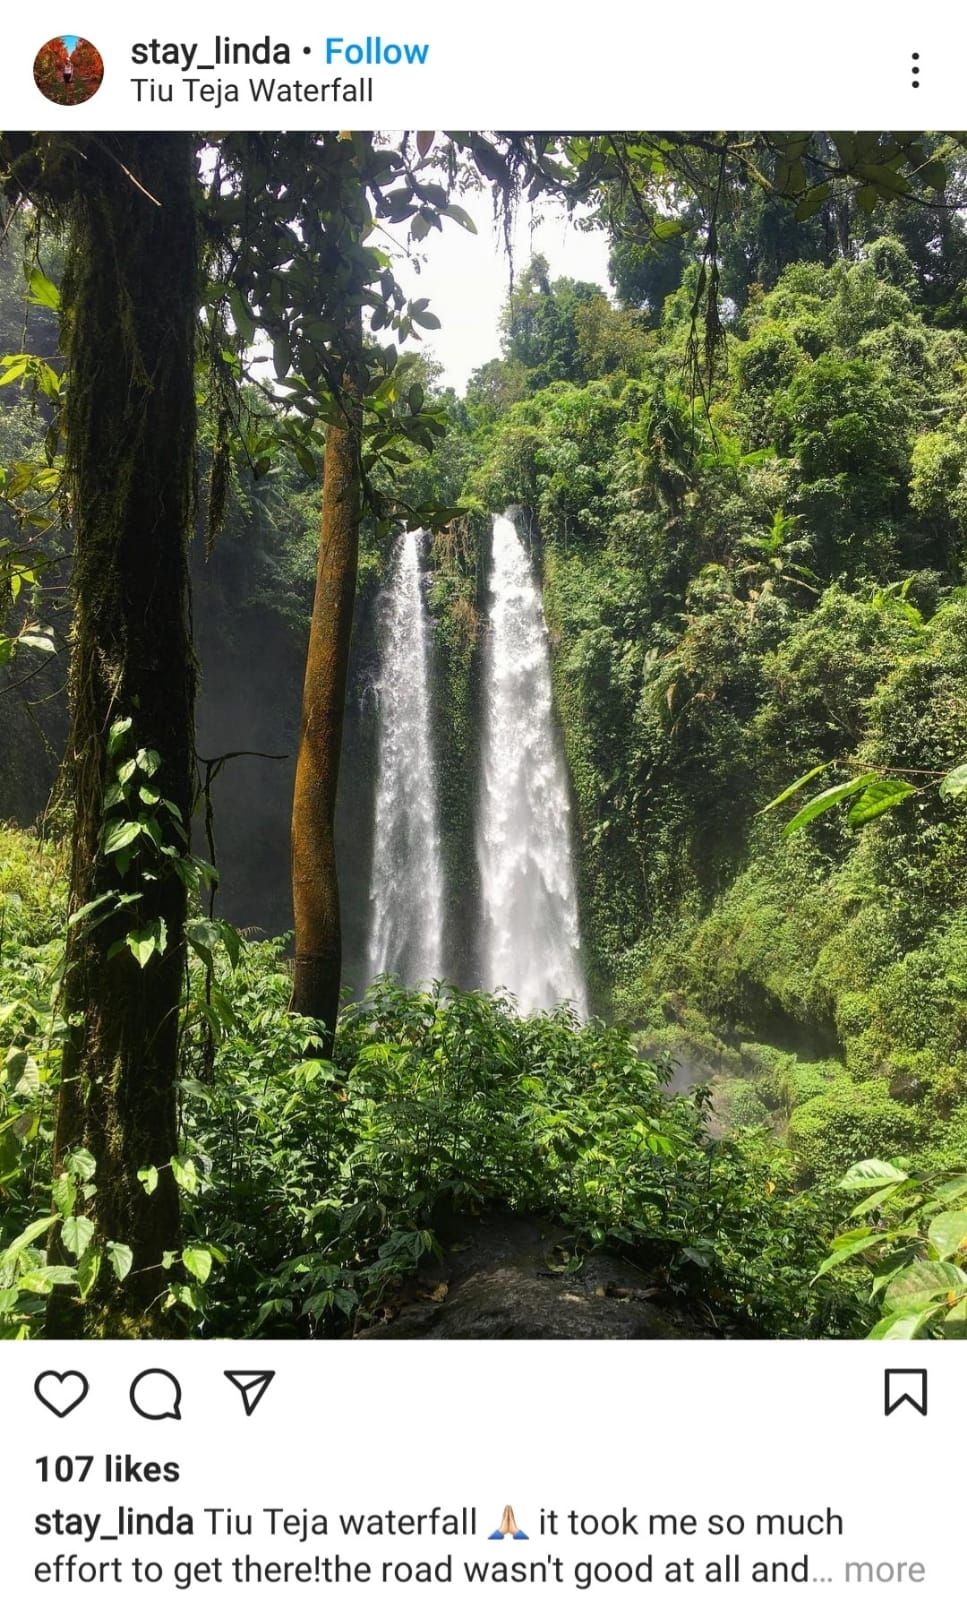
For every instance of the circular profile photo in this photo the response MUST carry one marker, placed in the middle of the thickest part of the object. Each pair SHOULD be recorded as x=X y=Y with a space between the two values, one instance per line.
x=68 y=69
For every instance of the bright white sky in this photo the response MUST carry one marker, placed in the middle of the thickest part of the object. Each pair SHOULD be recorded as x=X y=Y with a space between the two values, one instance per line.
x=466 y=276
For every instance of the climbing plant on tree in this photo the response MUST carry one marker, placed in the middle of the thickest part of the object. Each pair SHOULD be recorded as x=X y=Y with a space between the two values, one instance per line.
x=299 y=214
x=130 y=300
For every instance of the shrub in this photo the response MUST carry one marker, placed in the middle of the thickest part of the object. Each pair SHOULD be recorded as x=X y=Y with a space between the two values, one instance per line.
x=832 y=1130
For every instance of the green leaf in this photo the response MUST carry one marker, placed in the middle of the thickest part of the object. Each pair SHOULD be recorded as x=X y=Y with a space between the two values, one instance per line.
x=40 y=1280
x=954 y=785
x=24 y=1240
x=185 y=1175
x=34 y=639
x=241 y=315
x=144 y=942
x=922 y=1283
x=88 y=910
x=794 y=788
x=82 y=1164
x=954 y=1325
x=877 y=798
x=42 y=291
x=184 y=1294
x=119 y=835
x=953 y=1189
x=121 y=1258
x=306 y=460
x=16 y=368
x=811 y=202
x=198 y=1261
x=934 y=175
x=148 y=761
x=76 y=1234
x=823 y=802
x=88 y=1271
x=457 y=214
x=148 y=1178
x=948 y=1234
x=281 y=357
x=848 y=1245
x=117 y=733
x=903 y=1324
x=668 y=228
x=877 y=1199
x=872 y=1175
x=64 y=1189
x=426 y=319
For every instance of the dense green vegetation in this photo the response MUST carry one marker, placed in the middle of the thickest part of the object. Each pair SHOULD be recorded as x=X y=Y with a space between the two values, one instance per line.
x=738 y=595
x=748 y=502
x=311 y=1186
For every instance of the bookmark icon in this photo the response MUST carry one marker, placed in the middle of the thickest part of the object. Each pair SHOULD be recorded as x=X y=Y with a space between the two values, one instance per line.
x=508 y=1528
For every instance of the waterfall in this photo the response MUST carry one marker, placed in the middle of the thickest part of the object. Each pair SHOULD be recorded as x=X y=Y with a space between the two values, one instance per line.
x=406 y=886
x=529 y=924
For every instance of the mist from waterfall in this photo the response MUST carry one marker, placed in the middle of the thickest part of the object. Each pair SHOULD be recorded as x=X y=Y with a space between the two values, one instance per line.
x=406 y=885
x=529 y=940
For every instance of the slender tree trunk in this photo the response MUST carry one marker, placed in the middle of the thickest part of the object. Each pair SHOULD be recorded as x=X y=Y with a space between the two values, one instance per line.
x=315 y=888
x=131 y=303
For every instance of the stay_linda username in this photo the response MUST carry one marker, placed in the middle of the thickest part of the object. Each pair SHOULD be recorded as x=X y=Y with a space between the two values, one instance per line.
x=335 y=50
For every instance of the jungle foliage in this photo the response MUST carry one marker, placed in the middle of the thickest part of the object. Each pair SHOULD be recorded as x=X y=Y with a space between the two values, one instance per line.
x=744 y=478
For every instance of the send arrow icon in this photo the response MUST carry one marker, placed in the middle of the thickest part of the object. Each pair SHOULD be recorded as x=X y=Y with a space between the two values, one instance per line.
x=251 y=1386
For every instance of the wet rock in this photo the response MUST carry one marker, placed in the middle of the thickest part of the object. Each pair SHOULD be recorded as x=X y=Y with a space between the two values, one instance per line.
x=501 y=1278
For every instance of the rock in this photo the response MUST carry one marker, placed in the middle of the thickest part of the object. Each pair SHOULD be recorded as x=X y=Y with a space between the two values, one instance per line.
x=496 y=1281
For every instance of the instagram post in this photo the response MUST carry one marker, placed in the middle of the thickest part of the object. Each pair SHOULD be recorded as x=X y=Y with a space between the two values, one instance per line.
x=483 y=804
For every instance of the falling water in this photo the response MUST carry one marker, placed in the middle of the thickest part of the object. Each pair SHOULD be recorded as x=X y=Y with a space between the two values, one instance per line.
x=406 y=887
x=529 y=923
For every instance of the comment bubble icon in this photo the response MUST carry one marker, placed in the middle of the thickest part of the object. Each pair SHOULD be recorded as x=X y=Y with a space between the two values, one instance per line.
x=156 y=1395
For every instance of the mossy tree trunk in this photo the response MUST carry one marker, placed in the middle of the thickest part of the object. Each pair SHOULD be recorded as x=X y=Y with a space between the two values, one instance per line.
x=130 y=299
x=315 y=887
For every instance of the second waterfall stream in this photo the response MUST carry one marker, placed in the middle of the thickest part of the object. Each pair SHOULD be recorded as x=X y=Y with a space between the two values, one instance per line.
x=529 y=939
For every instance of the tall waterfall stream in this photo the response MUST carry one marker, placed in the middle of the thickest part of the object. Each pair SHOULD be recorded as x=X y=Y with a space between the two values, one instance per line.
x=406 y=887
x=528 y=939
x=529 y=920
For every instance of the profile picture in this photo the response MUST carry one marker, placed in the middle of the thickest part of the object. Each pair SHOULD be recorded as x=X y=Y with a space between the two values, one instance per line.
x=68 y=69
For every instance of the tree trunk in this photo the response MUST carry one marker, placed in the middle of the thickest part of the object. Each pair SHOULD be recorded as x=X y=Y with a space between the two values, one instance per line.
x=131 y=295
x=315 y=888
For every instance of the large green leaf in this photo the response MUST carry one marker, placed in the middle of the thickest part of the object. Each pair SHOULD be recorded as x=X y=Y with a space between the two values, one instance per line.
x=185 y=1174
x=823 y=802
x=88 y=1271
x=121 y=1258
x=119 y=835
x=954 y=785
x=77 y=1233
x=904 y=1324
x=851 y=1244
x=794 y=788
x=954 y=1325
x=198 y=1261
x=872 y=1175
x=948 y=1233
x=877 y=798
x=24 y=1240
x=42 y=291
x=922 y=1283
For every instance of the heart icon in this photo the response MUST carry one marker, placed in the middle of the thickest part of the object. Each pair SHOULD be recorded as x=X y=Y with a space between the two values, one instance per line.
x=61 y=1392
